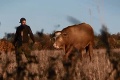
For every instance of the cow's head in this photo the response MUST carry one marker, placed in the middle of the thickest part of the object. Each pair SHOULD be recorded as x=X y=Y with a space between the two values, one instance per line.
x=59 y=40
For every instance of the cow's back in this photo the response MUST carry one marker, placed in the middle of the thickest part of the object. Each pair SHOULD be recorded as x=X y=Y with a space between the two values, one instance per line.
x=80 y=35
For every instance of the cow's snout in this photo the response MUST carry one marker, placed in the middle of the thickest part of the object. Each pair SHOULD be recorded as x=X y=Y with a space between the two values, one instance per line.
x=55 y=46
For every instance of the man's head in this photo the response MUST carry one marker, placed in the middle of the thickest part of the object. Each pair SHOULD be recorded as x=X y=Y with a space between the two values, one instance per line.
x=23 y=21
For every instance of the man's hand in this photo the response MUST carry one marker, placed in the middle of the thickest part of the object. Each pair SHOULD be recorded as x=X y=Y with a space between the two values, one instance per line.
x=32 y=44
x=35 y=42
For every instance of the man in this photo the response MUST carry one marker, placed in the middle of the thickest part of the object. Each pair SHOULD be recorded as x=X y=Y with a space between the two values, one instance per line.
x=21 y=43
x=22 y=33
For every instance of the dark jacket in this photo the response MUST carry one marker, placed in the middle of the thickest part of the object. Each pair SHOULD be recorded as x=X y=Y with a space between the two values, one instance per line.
x=22 y=35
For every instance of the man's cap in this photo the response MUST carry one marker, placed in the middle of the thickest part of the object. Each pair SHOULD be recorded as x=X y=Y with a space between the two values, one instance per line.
x=22 y=19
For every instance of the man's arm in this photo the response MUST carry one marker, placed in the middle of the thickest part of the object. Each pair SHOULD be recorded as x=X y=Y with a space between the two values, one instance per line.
x=16 y=37
x=31 y=35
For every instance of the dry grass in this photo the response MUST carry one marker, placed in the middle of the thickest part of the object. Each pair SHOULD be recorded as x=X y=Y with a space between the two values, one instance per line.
x=49 y=65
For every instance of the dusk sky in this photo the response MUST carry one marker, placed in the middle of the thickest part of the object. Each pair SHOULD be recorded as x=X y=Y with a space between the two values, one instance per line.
x=47 y=14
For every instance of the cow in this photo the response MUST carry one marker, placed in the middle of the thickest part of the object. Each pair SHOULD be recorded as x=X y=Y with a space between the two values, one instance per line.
x=76 y=37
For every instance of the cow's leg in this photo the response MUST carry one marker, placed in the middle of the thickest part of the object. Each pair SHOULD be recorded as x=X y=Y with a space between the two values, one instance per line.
x=90 y=51
x=68 y=53
x=80 y=54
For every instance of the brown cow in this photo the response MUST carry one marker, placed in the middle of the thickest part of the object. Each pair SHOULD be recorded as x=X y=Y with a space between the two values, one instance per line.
x=76 y=37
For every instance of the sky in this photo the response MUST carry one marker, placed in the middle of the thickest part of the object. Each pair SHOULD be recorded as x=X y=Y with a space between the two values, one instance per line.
x=53 y=15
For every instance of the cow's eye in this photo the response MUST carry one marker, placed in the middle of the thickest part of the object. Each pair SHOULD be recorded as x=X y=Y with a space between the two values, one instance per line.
x=65 y=34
